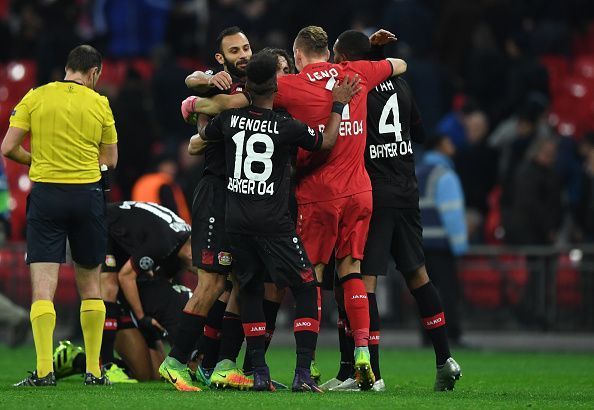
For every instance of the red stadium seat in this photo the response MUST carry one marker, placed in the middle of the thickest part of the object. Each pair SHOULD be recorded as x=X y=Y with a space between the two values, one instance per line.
x=516 y=276
x=572 y=109
x=481 y=282
x=558 y=69
x=568 y=288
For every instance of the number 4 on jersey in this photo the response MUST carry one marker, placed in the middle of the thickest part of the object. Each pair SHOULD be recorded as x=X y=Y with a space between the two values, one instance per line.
x=395 y=127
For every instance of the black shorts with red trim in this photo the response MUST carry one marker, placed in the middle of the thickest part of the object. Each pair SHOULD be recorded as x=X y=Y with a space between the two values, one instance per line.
x=211 y=250
x=394 y=233
x=283 y=257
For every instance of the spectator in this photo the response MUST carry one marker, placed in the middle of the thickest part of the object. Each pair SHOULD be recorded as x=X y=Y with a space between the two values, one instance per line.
x=454 y=124
x=168 y=91
x=444 y=226
x=131 y=110
x=535 y=208
x=585 y=222
x=4 y=206
x=161 y=188
x=476 y=164
x=534 y=218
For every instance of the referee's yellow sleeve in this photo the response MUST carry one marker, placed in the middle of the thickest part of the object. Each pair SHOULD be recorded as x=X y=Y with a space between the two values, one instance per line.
x=21 y=115
x=108 y=133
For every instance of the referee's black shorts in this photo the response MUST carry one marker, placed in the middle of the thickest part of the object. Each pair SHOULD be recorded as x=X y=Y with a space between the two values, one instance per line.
x=395 y=232
x=59 y=211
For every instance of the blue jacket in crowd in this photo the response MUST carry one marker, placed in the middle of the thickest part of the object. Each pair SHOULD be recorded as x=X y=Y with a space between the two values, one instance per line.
x=442 y=204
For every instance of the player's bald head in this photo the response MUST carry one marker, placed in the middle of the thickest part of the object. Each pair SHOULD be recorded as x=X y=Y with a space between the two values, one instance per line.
x=351 y=45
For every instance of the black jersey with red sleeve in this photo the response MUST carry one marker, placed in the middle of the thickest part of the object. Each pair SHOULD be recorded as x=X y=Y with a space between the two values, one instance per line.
x=214 y=153
x=259 y=144
x=150 y=233
x=393 y=121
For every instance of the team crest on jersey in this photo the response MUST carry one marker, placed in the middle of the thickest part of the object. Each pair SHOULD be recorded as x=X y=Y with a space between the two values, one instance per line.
x=207 y=257
x=110 y=261
x=225 y=258
x=146 y=263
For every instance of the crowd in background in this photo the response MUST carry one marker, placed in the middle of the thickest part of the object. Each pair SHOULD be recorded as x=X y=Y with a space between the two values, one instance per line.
x=475 y=68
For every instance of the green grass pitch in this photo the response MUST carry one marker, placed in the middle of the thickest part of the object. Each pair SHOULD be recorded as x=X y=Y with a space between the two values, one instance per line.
x=490 y=379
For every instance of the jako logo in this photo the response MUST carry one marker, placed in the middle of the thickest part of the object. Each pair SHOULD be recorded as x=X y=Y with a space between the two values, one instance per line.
x=300 y=324
x=374 y=338
x=433 y=322
x=258 y=329
x=359 y=297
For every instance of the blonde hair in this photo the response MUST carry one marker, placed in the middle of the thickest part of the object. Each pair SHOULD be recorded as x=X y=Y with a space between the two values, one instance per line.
x=312 y=40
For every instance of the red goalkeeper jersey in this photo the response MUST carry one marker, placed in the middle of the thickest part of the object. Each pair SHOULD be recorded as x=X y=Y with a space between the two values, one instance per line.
x=307 y=96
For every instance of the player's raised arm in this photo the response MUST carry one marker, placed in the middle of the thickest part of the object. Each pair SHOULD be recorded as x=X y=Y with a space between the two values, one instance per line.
x=213 y=105
x=377 y=41
x=202 y=83
x=341 y=96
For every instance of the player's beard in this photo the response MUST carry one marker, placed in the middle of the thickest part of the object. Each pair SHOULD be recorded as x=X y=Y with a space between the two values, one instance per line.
x=233 y=69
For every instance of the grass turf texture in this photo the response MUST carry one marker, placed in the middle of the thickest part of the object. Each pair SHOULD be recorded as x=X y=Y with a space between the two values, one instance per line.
x=490 y=379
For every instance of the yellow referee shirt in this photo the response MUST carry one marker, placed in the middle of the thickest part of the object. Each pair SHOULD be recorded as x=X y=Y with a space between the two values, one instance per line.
x=67 y=122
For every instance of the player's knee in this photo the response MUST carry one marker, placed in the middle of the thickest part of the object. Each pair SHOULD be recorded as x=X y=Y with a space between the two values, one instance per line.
x=417 y=278
x=348 y=265
x=109 y=286
x=370 y=283
x=273 y=293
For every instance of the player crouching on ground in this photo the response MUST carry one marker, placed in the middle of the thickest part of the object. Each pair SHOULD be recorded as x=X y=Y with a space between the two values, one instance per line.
x=148 y=245
x=258 y=144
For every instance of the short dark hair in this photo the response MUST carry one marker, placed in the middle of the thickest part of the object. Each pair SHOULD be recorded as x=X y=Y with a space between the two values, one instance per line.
x=261 y=73
x=354 y=45
x=229 y=31
x=281 y=52
x=83 y=58
x=312 y=40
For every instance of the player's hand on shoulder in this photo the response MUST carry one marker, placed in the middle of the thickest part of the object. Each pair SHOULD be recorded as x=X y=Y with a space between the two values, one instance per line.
x=344 y=90
x=188 y=109
x=381 y=38
x=221 y=80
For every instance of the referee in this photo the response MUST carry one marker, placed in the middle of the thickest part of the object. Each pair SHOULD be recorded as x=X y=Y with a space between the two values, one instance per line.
x=72 y=134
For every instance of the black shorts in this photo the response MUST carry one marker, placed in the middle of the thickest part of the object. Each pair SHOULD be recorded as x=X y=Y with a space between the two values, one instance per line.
x=115 y=257
x=161 y=300
x=283 y=257
x=210 y=244
x=393 y=232
x=59 y=211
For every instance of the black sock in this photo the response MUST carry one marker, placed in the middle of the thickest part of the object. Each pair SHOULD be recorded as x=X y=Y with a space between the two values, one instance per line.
x=433 y=320
x=110 y=329
x=231 y=337
x=79 y=364
x=374 y=335
x=306 y=325
x=346 y=342
x=210 y=342
x=270 y=312
x=251 y=303
x=190 y=328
